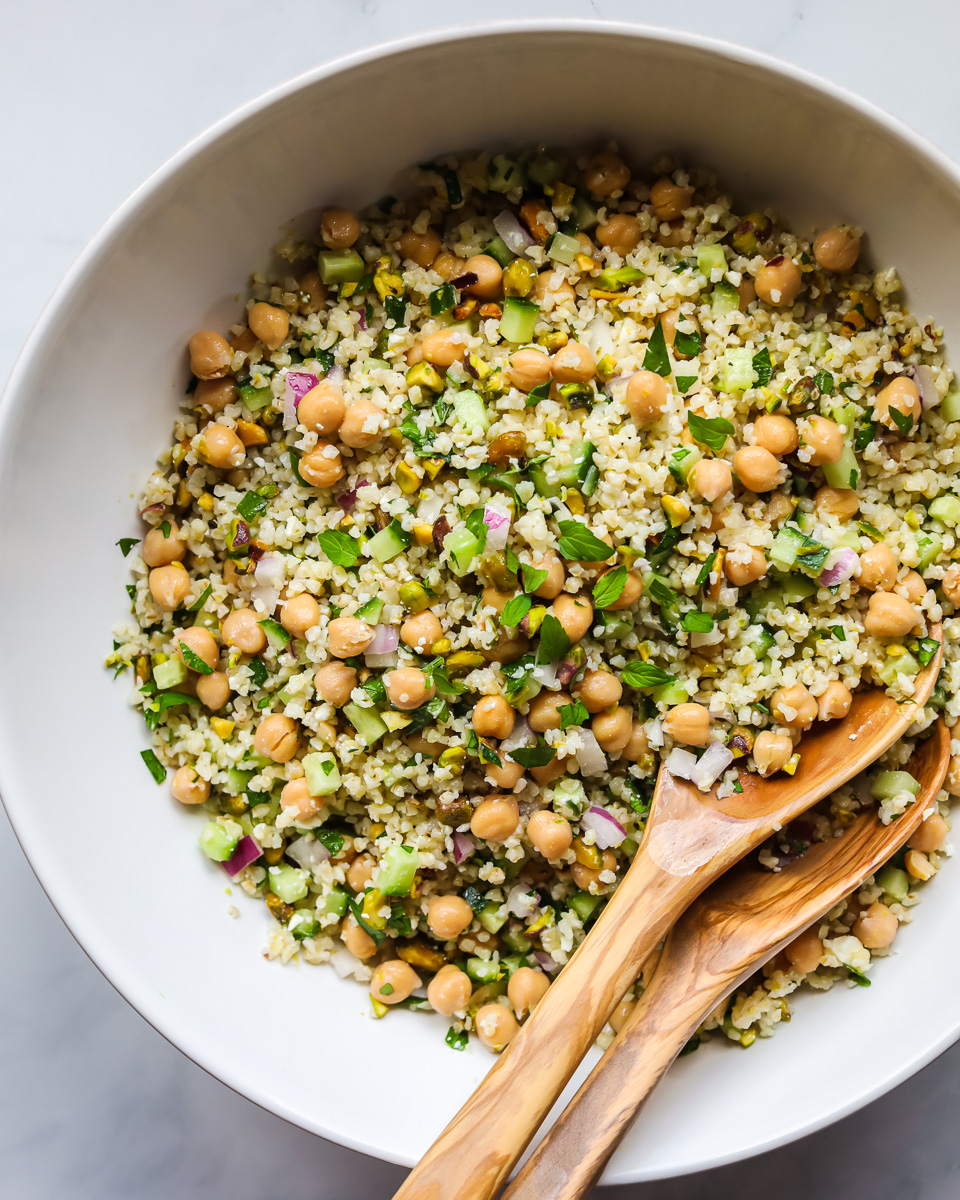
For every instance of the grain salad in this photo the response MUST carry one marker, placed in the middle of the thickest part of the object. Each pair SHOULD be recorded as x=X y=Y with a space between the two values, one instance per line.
x=497 y=496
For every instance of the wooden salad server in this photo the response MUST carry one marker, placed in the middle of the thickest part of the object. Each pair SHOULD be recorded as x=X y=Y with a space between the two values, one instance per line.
x=691 y=838
x=741 y=922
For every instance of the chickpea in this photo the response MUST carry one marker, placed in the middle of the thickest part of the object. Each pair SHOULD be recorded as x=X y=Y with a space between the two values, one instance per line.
x=348 y=636
x=890 y=615
x=836 y=248
x=878 y=568
x=834 y=702
x=529 y=368
x=638 y=746
x=493 y=717
x=360 y=872
x=560 y=766
x=357 y=940
x=913 y=586
x=587 y=879
x=549 y=833
x=489 y=275
x=447 y=266
x=619 y=233
x=747 y=292
x=917 y=865
x=270 y=324
x=877 y=927
x=508 y=648
x=689 y=724
x=605 y=174
x=506 y=776
x=544 y=711
x=159 y=550
x=575 y=614
x=613 y=729
x=744 y=565
x=646 y=397
x=300 y=613
x=322 y=409
x=527 y=987
x=322 y=466
x=772 y=751
x=213 y=690
x=188 y=787
x=550 y=288
x=491 y=598
x=213 y=395
x=339 y=228
x=496 y=1026
x=805 y=951
x=420 y=631
x=823 y=439
x=574 y=363
x=950 y=585
x=632 y=591
x=313 y=292
x=598 y=690
x=552 y=586
x=669 y=321
x=277 y=737
x=757 y=469
x=169 y=586
x=220 y=447
x=952 y=782
x=495 y=819
x=200 y=642
x=794 y=706
x=778 y=282
x=241 y=629
x=296 y=799
x=669 y=199
x=778 y=507
x=621 y=1014
x=407 y=688
x=363 y=424
x=776 y=433
x=711 y=478
x=449 y=990
x=900 y=394
x=445 y=347
x=930 y=834
x=210 y=354
x=842 y=503
x=422 y=248
x=393 y=981
x=448 y=916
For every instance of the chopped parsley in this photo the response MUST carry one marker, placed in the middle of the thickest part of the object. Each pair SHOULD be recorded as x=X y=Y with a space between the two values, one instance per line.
x=126 y=545
x=154 y=765
x=656 y=358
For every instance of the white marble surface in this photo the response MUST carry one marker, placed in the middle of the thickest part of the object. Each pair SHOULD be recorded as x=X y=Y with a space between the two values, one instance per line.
x=94 y=1105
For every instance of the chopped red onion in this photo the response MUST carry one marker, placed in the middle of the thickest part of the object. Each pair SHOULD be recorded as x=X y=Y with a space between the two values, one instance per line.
x=590 y=758
x=517 y=239
x=545 y=674
x=296 y=384
x=681 y=763
x=345 y=963
x=520 y=735
x=362 y=315
x=711 y=765
x=463 y=847
x=308 y=853
x=549 y=965
x=347 y=500
x=616 y=382
x=842 y=564
x=430 y=507
x=247 y=851
x=336 y=374
x=269 y=573
x=523 y=901
x=497 y=520
x=608 y=830
x=386 y=638
x=926 y=383
x=152 y=508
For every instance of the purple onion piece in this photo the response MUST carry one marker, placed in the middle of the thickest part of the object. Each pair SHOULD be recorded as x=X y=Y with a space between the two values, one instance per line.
x=468 y=279
x=347 y=500
x=152 y=508
x=545 y=961
x=463 y=847
x=605 y=826
x=247 y=851
x=362 y=322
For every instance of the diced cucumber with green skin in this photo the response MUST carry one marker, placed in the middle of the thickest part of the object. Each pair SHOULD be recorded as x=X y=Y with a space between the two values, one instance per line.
x=895 y=883
x=516 y=940
x=946 y=509
x=377 y=364
x=724 y=298
x=469 y=409
x=519 y=319
x=370 y=612
x=335 y=903
x=682 y=462
x=849 y=539
x=906 y=664
x=303 y=924
x=483 y=970
x=544 y=170
x=670 y=694
x=819 y=344
x=710 y=258
x=489 y=918
x=462 y=547
x=366 y=722
x=169 y=674
x=255 y=398
x=499 y=250
x=218 y=839
x=397 y=870
x=584 y=213
x=736 y=370
x=615 y=624
x=786 y=546
x=504 y=174
x=797 y=588
x=277 y=636
x=569 y=798
x=287 y=882
x=845 y=473
x=322 y=774
x=893 y=783
x=950 y=406
x=629 y=846
x=513 y=963
x=563 y=249
x=929 y=546
x=236 y=781
x=761 y=639
x=207 y=620
x=340 y=266
x=388 y=543
x=584 y=905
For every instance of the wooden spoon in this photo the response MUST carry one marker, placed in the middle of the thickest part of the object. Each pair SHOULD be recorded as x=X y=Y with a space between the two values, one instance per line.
x=741 y=922
x=691 y=838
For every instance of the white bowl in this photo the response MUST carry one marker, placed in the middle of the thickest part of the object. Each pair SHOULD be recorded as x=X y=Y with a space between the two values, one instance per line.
x=92 y=399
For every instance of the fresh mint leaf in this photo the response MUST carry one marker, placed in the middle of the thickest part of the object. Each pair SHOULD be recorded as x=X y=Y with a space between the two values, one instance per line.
x=579 y=544
x=515 y=610
x=609 y=587
x=645 y=675
x=554 y=642
x=711 y=432
x=656 y=358
x=339 y=547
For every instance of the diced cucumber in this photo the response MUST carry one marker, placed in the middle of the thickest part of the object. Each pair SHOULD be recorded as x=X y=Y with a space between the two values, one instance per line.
x=483 y=970
x=711 y=258
x=469 y=409
x=397 y=870
x=950 y=406
x=170 y=673
x=287 y=882
x=516 y=940
x=849 y=539
x=682 y=461
x=340 y=266
x=929 y=545
x=895 y=883
x=904 y=664
x=519 y=319
x=322 y=774
x=255 y=398
x=819 y=344
x=236 y=781
x=544 y=170
x=218 y=839
x=207 y=620
x=303 y=924
x=462 y=547
x=277 y=636
x=786 y=545
x=499 y=250
x=504 y=174
x=563 y=248
x=797 y=588
x=946 y=509
x=569 y=798
x=736 y=370
x=489 y=918
x=724 y=298
x=583 y=904
x=845 y=472
x=615 y=624
x=388 y=543
x=513 y=963
x=335 y=902
x=548 y=488
x=370 y=612
x=670 y=694
x=584 y=213
x=893 y=783
x=366 y=722
x=761 y=639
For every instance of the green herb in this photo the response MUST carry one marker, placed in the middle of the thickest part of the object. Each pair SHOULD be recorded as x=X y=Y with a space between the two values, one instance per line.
x=659 y=554
x=812 y=555
x=540 y=392
x=252 y=505
x=154 y=765
x=866 y=432
x=396 y=309
x=295 y=468
x=517 y=673
x=201 y=599
x=659 y=591
x=928 y=650
x=645 y=675
x=126 y=545
x=639 y=802
x=376 y=934
x=488 y=754
x=656 y=358
x=443 y=299
x=512 y=562
x=685 y=382
x=533 y=756
x=609 y=587
x=329 y=838
x=578 y=543
x=421 y=438
x=153 y=711
x=442 y=410
x=903 y=421
x=737 y=786
x=131 y=590
x=375 y=689
x=258 y=671
x=474 y=899
x=858 y=977
x=690 y=1047
x=400 y=923
x=554 y=642
x=825 y=382
x=436 y=673
x=194 y=661
x=687 y=344
x=533 y=577
x=435 y=710
x=165 y=528
x=870 y=531
x=762 y=367
x=339 y=547
x=515 y=610
x=704 y=573
x=711 y=432
x=457 y=1039
x=696 y=621
x=452 y=184
x=572 y=714
x=838 y=632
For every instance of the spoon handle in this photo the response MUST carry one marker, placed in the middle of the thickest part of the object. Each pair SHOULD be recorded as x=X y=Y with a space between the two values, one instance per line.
x=476 y=1152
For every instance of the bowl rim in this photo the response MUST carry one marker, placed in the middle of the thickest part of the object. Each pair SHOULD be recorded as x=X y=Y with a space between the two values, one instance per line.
x=111 y=966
